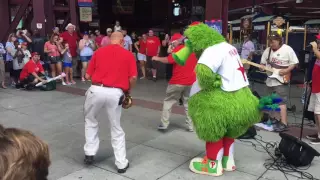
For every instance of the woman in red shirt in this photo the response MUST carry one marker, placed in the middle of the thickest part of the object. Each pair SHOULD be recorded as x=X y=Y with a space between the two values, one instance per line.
x=141 y=48
x=52 y=48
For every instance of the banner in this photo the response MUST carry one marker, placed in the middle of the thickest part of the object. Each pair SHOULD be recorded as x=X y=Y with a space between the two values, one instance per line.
x=215 y=24
x=85 y=3
x=85 y=14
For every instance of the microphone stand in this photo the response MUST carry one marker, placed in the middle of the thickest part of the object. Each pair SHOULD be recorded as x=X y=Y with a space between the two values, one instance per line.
x=306 y=96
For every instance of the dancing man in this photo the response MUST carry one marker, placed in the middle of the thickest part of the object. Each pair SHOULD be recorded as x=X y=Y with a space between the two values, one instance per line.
x=180 y=83
x=113 y=73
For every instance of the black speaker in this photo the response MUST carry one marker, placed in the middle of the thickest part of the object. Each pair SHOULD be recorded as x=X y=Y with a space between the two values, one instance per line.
x=250 y=134
x=295 y=151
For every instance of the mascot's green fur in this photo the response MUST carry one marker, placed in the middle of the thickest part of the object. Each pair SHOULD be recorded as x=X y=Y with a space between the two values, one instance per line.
x=218 y=116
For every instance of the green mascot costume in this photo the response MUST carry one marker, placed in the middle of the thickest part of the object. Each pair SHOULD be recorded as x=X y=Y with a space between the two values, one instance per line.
x=221 y=105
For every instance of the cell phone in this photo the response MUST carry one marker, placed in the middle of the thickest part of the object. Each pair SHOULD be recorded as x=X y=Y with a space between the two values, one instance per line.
x=19 y=46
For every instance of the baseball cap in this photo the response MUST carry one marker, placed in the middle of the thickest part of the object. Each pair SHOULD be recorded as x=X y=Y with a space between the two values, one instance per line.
x=176 y=36
x=34 y=54
x=109 y=30
x=86 y=33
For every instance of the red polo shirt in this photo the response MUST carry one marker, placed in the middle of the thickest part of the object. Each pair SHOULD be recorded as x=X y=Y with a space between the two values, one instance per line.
x=71 y=39
x=29 y=68
x=112 y=66
x=183 y=75
x=153 y=44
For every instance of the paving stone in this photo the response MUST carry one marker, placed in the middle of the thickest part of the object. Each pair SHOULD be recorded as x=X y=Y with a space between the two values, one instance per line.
x=179 y=142
x=93 y=173
x=147 y=163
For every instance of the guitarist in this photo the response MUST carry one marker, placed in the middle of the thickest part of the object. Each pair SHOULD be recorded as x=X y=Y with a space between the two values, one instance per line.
x=279 y=56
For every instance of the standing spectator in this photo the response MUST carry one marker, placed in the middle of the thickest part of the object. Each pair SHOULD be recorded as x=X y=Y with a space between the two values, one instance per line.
x=22 y=36
x=99 y=38
x=10 y=47
x=2 y=67
x=26 y=52
x=106 y=40
x=18 y=57
x=134 y=39
x=37 y=44
x=127 y=40
x=113 y=72
x=140 y=46
x=86 y=47
x=55 y=30
x=153 y=49
x=117 y=27
x=53 y=50
x=71 y=37
x=67 y=64
x=247 y=50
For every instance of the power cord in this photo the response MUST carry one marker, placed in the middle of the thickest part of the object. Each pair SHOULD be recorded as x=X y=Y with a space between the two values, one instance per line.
x=277 y=161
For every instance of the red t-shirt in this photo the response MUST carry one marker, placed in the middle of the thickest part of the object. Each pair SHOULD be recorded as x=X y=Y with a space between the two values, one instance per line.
x=29 y=68
x=183 y=75
x=72 y=41
x=153 y=44
x=99 y=39
x=112 y=66
x=142 y=47
x=316 y=77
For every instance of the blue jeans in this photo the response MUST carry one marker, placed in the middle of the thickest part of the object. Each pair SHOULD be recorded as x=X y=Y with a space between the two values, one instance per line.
x=85 y=58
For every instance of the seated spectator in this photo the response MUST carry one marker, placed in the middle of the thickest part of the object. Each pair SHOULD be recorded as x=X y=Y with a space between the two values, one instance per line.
x=22 y=155
x=32 y=72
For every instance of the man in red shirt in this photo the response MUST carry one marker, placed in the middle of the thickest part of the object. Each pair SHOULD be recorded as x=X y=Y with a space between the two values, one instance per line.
x=180 y=83
x=71 y=37
x=152 y=49
x=314 y=103
x=113 y=72
x=32 y=72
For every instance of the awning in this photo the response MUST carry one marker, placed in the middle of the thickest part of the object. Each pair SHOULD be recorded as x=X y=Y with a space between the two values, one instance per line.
x=238 y=21
x=262 y=19
x=312 y=22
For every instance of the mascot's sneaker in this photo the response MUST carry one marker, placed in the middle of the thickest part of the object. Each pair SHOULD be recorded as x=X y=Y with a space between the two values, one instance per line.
x=228 y=163
x=206 y=167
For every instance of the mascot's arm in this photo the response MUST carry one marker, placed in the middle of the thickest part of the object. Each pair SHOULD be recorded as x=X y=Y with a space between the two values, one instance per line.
x=207 y=79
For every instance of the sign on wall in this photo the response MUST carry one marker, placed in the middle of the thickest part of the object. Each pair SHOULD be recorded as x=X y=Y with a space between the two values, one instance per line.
x=215 y=24
x=85 y=14
x=85 y=3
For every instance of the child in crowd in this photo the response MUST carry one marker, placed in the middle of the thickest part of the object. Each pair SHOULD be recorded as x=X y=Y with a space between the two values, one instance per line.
x=18 y=60
x=26 y=52
x=67 y=64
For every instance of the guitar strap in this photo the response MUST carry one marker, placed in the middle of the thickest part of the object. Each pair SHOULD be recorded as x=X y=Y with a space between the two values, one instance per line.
x=268 y=60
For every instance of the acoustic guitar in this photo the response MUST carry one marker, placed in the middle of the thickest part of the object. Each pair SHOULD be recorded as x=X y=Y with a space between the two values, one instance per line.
x=272 y=73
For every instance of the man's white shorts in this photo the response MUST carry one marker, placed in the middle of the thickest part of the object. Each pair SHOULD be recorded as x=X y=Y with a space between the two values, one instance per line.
x=142 y=57
x=314 y=103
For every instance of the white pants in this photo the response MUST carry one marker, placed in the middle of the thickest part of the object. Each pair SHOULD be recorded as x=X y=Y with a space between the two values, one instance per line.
x=105 y=99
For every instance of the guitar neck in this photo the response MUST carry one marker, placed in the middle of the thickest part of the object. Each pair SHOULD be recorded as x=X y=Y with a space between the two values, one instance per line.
x=258 y=66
